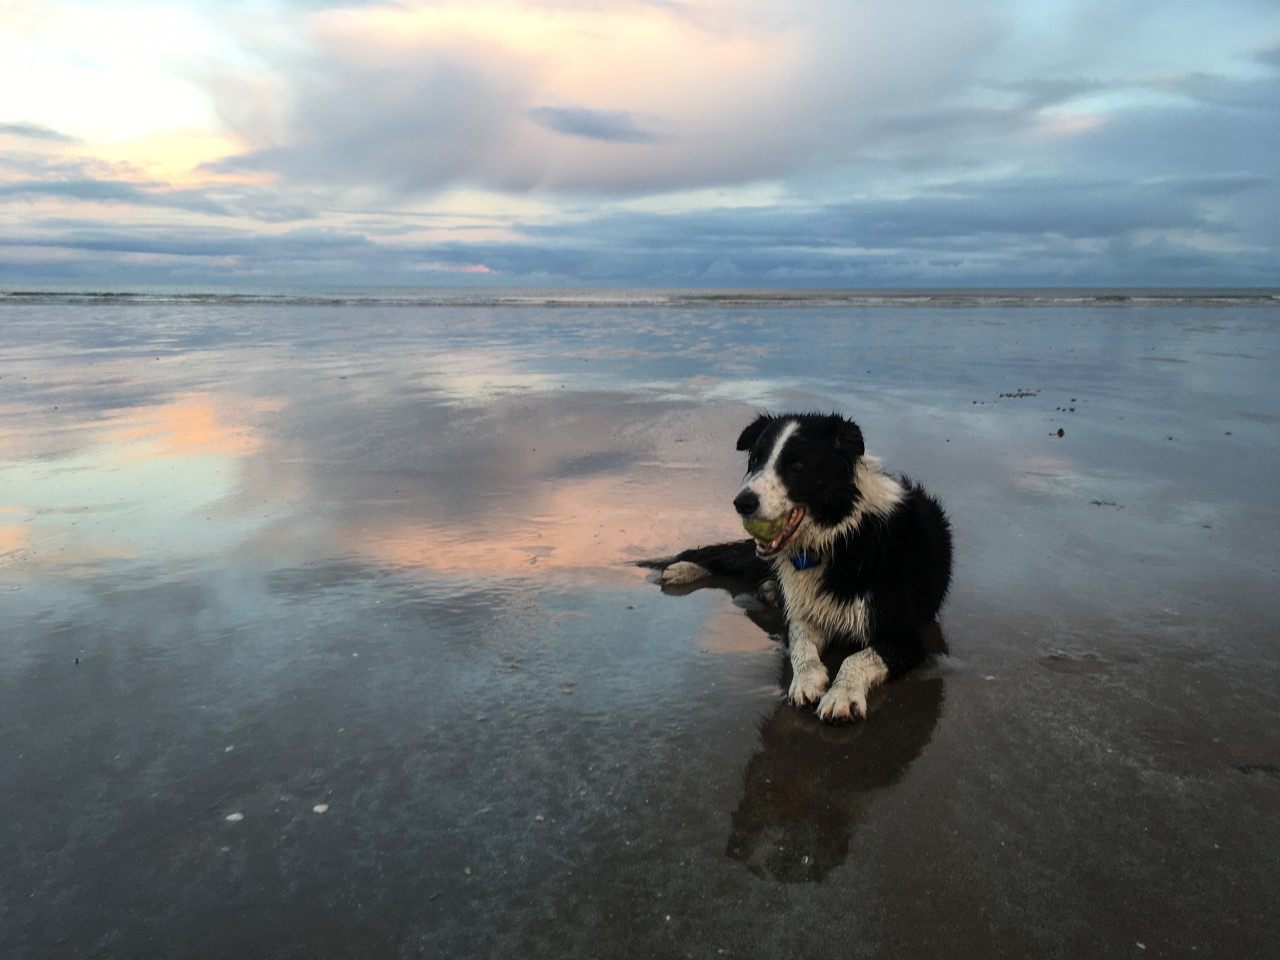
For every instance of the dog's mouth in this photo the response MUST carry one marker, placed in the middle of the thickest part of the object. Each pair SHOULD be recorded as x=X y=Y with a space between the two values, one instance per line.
x=769 y=542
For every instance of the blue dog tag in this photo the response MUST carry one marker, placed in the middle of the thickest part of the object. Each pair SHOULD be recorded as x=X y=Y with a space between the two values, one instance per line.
x=804 y=560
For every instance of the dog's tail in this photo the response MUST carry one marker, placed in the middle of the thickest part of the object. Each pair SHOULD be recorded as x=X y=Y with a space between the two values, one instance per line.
x=737 y=560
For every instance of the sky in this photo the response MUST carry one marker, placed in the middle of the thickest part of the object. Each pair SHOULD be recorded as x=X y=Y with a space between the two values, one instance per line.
x=681 y=143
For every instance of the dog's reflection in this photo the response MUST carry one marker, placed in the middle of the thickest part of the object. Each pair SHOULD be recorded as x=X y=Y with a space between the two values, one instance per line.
x=808 y=785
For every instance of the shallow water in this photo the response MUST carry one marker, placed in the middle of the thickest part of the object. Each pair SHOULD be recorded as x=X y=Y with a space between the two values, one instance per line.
x=257 y=558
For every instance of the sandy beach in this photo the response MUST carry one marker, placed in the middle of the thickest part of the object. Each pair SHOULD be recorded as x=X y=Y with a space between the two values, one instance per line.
x=323 y=635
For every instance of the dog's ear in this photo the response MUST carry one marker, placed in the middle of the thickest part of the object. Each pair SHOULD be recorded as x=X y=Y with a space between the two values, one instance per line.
x=846 y=435
x=750 y=435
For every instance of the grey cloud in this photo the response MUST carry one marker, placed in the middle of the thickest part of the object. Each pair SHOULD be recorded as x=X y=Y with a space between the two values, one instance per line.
x=35 y=174
x=1220 y=91
x=114 y=191
x=1218 y=184
x=925 y=127
x=956 y=213
x=50 y=167
x=1041 y=92
x=429 y=119
x=34 y=131
x=609 y=126
x=1177 y=142
x=415 y=126
x=313 y=245
x=1092 y=232
x=858 y=101
x=1034 y=231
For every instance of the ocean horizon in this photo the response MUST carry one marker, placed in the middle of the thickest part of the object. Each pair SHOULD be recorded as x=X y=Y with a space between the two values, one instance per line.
x=618 y=296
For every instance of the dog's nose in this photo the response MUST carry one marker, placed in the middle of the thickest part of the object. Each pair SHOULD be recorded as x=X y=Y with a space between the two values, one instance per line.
x=746 y=503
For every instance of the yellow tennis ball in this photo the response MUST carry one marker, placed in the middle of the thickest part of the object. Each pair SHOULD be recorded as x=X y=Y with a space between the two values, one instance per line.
x=765 y=529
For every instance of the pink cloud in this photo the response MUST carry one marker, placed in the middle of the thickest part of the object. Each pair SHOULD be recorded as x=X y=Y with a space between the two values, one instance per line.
x=437 y=267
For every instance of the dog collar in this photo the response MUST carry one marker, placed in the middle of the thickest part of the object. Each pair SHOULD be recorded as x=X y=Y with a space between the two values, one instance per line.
x=804 y=560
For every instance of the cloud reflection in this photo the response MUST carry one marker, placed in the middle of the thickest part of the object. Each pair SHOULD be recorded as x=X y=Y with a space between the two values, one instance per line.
x=531 y=513
x=144 y=482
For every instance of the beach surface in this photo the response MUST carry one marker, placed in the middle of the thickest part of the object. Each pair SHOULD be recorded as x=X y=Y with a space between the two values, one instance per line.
x=323 y=635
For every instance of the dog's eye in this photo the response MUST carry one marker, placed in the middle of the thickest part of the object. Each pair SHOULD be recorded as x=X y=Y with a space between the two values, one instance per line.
x=796 y=466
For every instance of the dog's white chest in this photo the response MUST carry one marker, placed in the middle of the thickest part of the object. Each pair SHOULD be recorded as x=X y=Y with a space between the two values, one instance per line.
x=806 y=600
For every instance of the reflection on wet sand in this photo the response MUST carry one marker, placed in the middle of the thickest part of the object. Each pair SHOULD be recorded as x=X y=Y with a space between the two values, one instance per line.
x=140 y=481
x=568 y=484
x=189 y=424
x=13 y=535
x=585 y=525
x=808 y=785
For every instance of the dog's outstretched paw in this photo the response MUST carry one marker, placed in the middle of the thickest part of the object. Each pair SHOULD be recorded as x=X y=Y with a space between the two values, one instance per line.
x=807 y=686
x=682 y=571
x=843 y=701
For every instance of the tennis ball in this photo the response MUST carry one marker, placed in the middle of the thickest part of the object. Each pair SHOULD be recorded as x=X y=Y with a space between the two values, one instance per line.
x=765 y=530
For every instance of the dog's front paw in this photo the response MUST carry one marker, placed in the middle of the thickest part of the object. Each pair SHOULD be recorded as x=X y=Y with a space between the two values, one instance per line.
x=682 y=572
x=844 y=701
x=807 y=685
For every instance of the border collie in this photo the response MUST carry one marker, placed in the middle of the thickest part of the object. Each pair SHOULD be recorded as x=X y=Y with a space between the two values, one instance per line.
x=862 y=558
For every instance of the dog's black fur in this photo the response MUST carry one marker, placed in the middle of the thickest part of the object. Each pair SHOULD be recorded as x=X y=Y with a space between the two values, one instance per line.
x=865 y=559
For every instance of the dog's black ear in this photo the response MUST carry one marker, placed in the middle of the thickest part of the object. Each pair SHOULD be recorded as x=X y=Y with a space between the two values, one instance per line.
x=846 y=435
x=750 y=435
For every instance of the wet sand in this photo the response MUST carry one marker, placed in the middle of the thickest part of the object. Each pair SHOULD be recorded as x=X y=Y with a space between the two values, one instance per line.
x=323 y=636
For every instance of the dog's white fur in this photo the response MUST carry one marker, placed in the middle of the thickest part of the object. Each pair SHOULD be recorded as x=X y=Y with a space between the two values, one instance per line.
x=681 y=572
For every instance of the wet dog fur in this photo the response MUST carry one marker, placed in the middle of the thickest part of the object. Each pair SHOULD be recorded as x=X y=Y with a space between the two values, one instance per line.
x=862 y=560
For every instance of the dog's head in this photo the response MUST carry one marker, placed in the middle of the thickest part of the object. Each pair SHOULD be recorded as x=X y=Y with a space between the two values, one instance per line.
x=800 y=476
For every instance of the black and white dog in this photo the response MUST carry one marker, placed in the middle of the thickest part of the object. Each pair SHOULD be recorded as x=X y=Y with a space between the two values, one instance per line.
x=863 y=558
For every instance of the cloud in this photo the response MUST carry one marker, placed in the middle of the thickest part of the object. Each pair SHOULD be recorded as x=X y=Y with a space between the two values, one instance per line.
x=1038 y=93
x=115 y=191
x=33 y=131
x=424 y=100
x=547 y=98
x=1219 y=184
x=1049 y=232
x=31 y=176
x=307 y=245
x=408 y=127
x=609 y=126
x=1220 y=91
